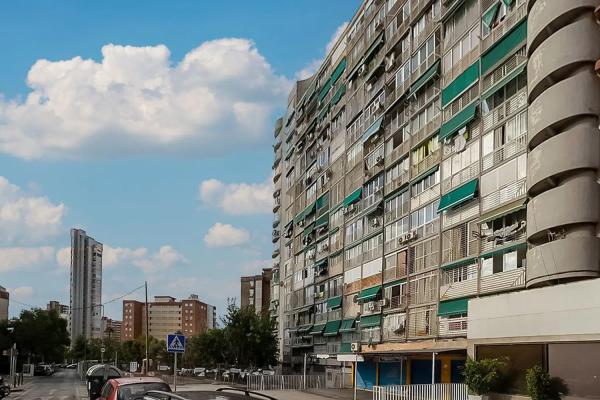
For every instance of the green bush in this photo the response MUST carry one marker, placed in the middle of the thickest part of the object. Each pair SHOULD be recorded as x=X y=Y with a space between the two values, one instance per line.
x=483 y=376
x=541 y=386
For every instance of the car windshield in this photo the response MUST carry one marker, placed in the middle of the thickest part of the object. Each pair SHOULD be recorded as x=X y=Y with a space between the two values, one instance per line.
x=135 y=390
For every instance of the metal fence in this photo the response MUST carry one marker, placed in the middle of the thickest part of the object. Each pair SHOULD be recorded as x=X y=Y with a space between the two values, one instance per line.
x=438 y=391
x=285 y=382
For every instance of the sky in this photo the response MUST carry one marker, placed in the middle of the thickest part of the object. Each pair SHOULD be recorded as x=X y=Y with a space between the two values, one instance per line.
x=149 y=125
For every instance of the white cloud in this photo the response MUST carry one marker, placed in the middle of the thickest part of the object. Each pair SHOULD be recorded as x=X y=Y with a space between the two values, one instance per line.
x=141 y=257
x=256 y=266
x=237 y=198
x=314 y=65
x=225 y=235
x=21 y=292
x=137 y=100
x=19 y=258
x=26 y=218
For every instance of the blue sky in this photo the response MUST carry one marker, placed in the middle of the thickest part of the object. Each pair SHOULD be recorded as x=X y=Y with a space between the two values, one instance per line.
x=148 y=124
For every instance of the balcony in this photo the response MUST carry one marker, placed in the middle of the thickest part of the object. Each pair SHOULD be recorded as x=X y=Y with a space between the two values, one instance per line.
x=302 y=341
x=398 y=152
x=461 y=177
x=397 y=183
x=464 y=288
x=457 y=215
x=417 y=8
x=429 y=129
x=504 y=152
x=425 y=197
x=421 y=38
x=504 y=110
x=505 y=194
x=392 y=274
x=518 y=236
x=426 y=164
x=450 y=327
x=511 y=66
x=503 y=281
x=424 y=66
x=396 y=303
x=504 y=27
x=370 y=336
x=461 y=66
x=333 y=347
x=319 y=318
x=400 y=60
x=372 y=200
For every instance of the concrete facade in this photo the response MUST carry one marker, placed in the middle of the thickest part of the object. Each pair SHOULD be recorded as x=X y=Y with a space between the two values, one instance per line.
x=86 y=286
x=444 y=152
x=4 y=302
x=255 y=290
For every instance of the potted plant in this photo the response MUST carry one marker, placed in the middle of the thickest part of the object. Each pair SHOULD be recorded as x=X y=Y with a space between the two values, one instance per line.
x=541 y=386
x=482 y=376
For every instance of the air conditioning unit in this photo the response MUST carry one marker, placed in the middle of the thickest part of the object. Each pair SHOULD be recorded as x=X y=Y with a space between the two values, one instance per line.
x=389 y=61
x=378 y=105
x=371 y=306
x=379 y=160
x=375 y=223
x=368 y=87
x=362 y=70
x=326 y=247
x=379 y=25
x=383 y=302
x=311 y=136
x=355 y=347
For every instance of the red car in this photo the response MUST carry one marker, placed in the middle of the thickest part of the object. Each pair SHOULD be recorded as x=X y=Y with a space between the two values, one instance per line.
x=131 y=388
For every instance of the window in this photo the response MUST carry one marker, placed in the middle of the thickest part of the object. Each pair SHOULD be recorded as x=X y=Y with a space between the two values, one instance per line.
x=513 y=129
x=459 y=274
x=397 y=206
x=423 y=53
x=460 y=22
x=402 y=74
x=395 y=294
x=373 y=248
x=394 y=230
x=460 y=161
x=505 y=92
x=337 y=218
x=461 y=49
x=354 y=155
x=398 y=170
x=426 y=183
x=374 y=110
x=503 y=262
x=427 y=115
x=502 y=177
x=354 y=231
x=426 y=255
x=352 y=275
x=375 y=158
x=425 y=150
x=373 y=187
x=338 y=121
x=424 y=215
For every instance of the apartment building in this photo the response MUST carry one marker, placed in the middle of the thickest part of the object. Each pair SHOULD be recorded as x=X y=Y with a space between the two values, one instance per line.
x=166 y=315
x=436 y=194
x=255 y=290
x=62 y=310
x=86 y=286
x=4 y=301
x=111 y=328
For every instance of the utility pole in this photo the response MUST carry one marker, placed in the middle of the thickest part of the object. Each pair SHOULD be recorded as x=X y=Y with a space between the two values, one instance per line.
x=147 y=329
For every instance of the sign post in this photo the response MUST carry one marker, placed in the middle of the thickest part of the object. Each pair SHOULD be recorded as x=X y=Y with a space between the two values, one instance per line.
x=175 y=344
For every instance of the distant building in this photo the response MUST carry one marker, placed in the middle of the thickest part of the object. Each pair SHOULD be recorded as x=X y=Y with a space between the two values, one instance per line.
x=62 y=310
x=86 y=286
x=256 y=290
x=111 y=328
x=167 y=315
x=4 y=297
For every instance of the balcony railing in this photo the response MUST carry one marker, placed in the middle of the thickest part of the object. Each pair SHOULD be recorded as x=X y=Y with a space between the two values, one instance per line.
x=425 y=197
x=303 y=341
x=373 y=253
x=504 y=152
x=417 y=7
x=421 y=38
x=392 y=274
x=421 y=69
x=517 y=237
x=504 y=110
x=502 y=281
x=509 y=22
x=452 y=327
x=371 y=336
x=515 y=61
x=320 y=317
x=397 y=182
x=424 y=165
x=461 y=177
x=393 y=92
x=459 y=214
x=372 y=199
x=459 y=289
x=505 y=194
x=400 y=151
x=396 y=303
x=460 y=66
x=428 y=129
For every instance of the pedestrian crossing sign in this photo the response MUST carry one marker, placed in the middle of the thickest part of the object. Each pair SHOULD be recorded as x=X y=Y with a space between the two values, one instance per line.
x=175 y=343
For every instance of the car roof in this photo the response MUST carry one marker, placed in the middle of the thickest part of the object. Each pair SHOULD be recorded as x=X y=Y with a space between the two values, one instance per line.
x=139 y=379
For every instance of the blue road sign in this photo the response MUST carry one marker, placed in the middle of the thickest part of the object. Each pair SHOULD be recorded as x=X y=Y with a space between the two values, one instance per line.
x=175 y=343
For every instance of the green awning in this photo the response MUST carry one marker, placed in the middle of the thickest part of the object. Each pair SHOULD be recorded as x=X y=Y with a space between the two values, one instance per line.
x=458 y=122
x=373 y=47
x=503 y=249
x=516 y=37
x=338 y=95
x=347 y=325
x=309 y=210
x=489 y=16
x=332 y=328
x=323 y=220
x=459 y=263
x=334 y=302
x=353 y=197
x=460 y=84
x=453 y=307
x=430 y=73
x=507 y=2
x=324 y=90
x=369 y=294
x=322 y=201
x=309 y=229
x=323 y=112
x=502 y=82
x=345 y=347
x=338 y=71
x=317 y=329
x=394 y=283
x=321 y=262
x=373 y=129
x=458 y=195
x=304 y=328
x=370 y=321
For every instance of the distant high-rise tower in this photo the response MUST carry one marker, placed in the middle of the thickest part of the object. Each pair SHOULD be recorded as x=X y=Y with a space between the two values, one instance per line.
x=4 y=298
x=86 y=286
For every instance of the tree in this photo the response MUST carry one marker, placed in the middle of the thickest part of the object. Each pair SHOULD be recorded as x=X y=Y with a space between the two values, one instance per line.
x=206 y=349
x=41 y=335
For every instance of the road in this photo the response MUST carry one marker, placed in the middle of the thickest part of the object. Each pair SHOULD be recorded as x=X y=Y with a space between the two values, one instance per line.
x=63 y=385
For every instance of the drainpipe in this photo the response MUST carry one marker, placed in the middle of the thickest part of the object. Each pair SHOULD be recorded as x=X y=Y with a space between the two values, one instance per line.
x=433 y=368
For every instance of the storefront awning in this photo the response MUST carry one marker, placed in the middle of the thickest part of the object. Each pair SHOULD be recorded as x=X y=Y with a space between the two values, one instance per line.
x=453 y=307
x=370 y=321
x=369 y=294
x=353 y=197
x=334 y=302
x=458 y=195
x=348 y=325
x=317 y=329
x=332 y=328
x=373 y=129
x=457 y=122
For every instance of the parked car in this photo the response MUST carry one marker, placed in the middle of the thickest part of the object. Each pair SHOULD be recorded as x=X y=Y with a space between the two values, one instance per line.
x=132 y=388
x=71 y=366
x=219 y=394
x=42 y=370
